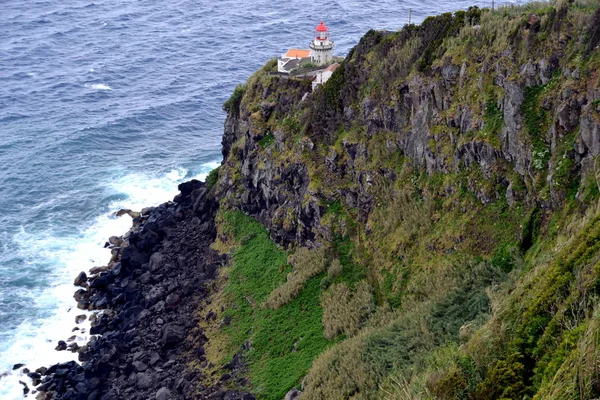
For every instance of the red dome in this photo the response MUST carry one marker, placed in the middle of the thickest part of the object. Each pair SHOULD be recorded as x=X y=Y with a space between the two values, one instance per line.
x=321 y=27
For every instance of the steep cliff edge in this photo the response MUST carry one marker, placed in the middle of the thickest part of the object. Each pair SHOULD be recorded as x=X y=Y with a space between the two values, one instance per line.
x=447 y=173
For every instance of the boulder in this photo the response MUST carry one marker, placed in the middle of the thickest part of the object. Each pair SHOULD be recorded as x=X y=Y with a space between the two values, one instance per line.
x=80 y=294
x=156 y=262
x=81 y=280
x=115 y=241
x=163 y=394
x=62 y=345
x=293 y=394
x=144 y=380
x=172 y=335
x=25 y=388
x=123 y=211
x=139 y=366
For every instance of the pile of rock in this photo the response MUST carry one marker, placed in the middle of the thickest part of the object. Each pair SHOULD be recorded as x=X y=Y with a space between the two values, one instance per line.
x=149 y=296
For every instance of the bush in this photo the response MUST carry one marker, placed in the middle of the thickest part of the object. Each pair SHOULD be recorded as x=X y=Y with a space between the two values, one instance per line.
x=344 y=311
x=233 y=103
x=211 y=179
x=504 y=380
x=493 y=117
x=267 y=140
x=307 y=263
x=335 y=269
x=504 y=258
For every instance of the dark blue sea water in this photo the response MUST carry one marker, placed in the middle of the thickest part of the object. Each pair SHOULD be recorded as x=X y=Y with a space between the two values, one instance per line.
x=109 y=104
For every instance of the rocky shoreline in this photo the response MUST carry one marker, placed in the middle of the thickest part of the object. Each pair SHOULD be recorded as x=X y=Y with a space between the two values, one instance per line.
x=147 y=308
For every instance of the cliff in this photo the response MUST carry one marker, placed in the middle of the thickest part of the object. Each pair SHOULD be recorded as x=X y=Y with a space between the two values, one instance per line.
x=449 y=170
x=425 y=225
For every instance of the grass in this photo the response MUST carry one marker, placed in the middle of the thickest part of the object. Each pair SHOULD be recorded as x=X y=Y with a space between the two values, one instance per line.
x=307 y=263
x=493 y=117
x=267 y=140
x=537 y=121
x=345 y=311
x=283 y=342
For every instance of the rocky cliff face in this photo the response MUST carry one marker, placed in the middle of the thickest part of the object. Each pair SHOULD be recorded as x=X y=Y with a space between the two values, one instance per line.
x=467 y=142
x=267 y=188
x=523 y=114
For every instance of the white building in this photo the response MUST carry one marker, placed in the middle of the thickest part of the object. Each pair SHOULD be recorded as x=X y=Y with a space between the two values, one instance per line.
x=324 y=75
x=320 y=53
x=321 y=48
x=292 y=60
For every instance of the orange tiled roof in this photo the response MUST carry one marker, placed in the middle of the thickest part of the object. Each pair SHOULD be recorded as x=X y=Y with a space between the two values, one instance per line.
x=297 y=53
x=333 y=67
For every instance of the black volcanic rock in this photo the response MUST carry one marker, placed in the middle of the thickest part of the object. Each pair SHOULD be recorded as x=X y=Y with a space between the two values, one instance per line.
x=166 y=257
x=81 y=279
x=172 y=335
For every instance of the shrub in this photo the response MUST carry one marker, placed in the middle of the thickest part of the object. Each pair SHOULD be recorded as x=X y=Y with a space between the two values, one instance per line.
x=504 y=380
x=355 y=367
x=505 y=258
x=233 y=103
x=307 y=263
x=211 y=179
x=267 y=140
x=344 y=311
x=335 y=269
x=493 y=117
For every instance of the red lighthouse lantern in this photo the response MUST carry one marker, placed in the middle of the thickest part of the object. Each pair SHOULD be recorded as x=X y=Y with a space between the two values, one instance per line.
x=321 y=32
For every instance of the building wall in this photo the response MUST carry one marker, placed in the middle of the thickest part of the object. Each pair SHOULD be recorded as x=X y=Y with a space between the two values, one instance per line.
x=280 y=64
x=321 y=56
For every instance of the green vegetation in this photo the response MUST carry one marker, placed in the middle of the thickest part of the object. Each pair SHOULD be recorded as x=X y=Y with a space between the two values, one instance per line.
x=212 y=178
x=283 y=342
x=307 y=264
x=536 y=119
x=493 y=117
x=267 y=140
x=452 y=216
x=344 y=311
x=233 y=103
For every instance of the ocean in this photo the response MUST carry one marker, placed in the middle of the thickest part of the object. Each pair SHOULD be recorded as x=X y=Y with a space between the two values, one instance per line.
x=110 y=104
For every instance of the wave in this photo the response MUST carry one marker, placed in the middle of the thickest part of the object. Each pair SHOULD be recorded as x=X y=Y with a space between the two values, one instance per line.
x=99 y=86
x=53 y=309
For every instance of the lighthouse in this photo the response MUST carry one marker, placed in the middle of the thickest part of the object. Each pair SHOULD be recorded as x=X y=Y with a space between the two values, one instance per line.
x=321 y=48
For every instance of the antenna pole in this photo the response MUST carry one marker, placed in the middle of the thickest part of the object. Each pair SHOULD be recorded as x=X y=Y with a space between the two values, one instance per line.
x=409 y=15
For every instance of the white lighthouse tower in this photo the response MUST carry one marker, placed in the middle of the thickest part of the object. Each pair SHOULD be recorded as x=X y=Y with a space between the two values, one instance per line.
x=321 y=48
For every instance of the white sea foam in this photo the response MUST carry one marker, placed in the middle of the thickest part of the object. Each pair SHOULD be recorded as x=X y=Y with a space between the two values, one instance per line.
x=34 y=340
x=99 y=86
